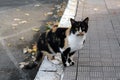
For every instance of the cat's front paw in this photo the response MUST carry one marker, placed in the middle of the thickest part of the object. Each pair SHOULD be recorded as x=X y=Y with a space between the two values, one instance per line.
x=72 y=63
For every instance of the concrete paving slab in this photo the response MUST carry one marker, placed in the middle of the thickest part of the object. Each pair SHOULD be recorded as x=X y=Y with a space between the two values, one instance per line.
x=102 y=45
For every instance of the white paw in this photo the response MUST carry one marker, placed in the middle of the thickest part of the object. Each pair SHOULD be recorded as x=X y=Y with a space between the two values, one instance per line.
x=67 y=64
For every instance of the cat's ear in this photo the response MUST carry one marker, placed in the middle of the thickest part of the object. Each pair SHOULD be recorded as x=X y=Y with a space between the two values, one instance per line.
x=72 y=20
x=86 y=20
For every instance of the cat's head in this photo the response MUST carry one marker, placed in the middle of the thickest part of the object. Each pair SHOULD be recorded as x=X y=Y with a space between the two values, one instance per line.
x=79 y=28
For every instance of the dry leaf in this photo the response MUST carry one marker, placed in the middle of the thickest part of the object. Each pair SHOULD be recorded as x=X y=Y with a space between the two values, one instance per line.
x=22 y=22
x=22 y=38
x=55 y=16
x=14 y=24
x=56 y=23
x=27 y=14
x=30 y=50
x=58 y=6
x=36 y=29
x=17 y=9
x=49 y=23
x=37 y=5
x=17 y=19
x=49 y=13
x=34 y=48
x=60 y=13
x=9 y=45
x=95 y=9
x=25 y=50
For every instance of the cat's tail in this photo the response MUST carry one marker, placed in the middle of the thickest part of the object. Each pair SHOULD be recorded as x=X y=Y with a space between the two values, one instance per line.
x=28 y=65
x=32 y=64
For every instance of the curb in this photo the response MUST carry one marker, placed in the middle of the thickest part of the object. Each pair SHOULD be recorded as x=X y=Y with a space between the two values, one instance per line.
x=48 y=70
x=69 y=12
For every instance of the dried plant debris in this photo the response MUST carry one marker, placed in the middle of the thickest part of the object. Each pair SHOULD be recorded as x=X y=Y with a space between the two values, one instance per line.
x=95 y=9
x=37 y=5
x=32 y=50
x=14 y=24
x=9 y=44
x=48 y=14
x=27 y=14
x=17 y=19
x=22 y=38
x=23 y=22
x=36 y=29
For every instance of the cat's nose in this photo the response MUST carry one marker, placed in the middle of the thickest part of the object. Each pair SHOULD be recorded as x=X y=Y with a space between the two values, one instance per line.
x=81 y=34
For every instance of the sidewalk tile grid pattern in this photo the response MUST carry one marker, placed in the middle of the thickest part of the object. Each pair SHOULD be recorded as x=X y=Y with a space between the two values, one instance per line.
x=100 y=57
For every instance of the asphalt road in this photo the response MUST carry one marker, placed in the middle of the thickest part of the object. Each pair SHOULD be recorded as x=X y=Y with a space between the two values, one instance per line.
x=17 y=18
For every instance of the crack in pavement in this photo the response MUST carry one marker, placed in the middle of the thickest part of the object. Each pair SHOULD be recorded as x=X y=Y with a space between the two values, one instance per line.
x=13 y=35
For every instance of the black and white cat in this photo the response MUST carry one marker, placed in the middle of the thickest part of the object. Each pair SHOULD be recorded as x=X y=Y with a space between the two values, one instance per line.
x=63 y=41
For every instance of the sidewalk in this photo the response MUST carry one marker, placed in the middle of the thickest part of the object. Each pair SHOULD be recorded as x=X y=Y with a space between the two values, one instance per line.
x=100 y=57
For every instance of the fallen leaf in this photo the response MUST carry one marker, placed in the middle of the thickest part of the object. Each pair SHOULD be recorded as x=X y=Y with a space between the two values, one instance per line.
x=58 y=6
x=56 y=23
x=55 y=16
x=36 y=29
x=95 y=9
x=25 y=50
x=9 y=45
x=17 y=9
x=22 y=22
x=14 y=24
x=49 y=23
x=22 y=38
x=34 y=48
x=49 y=13
x=17 y=19
x=30 y=50
x=37 y=5
x=27 y=14
x=60 y=13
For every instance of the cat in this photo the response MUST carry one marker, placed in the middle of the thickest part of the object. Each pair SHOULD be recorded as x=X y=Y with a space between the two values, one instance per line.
x=63 y=41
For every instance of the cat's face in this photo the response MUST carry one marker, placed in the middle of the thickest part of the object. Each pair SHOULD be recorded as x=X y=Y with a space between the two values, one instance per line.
x=79 y=28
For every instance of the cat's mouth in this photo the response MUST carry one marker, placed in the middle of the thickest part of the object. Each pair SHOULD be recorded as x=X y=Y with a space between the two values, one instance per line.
x=81 y=34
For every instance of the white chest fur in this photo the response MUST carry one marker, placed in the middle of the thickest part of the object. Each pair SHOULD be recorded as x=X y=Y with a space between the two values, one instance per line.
x=76 y=42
